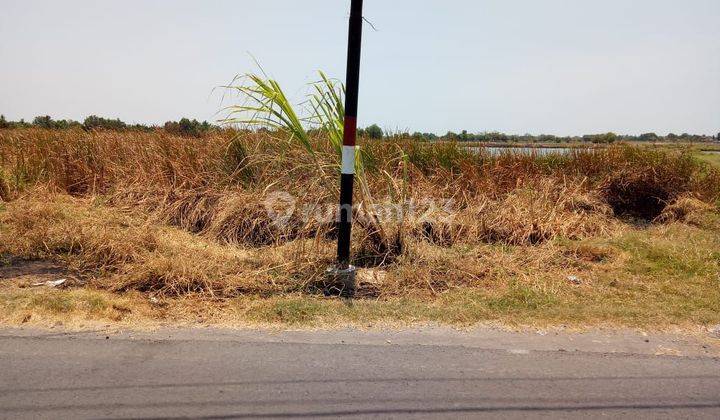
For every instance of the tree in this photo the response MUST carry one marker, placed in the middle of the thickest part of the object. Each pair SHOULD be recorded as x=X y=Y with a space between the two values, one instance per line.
x=606 y=138
x=609 y=138
x=3 y=122
x=94 y=122
x=44 y=121
x=450 y=135
x=188 y=128
x=648 y=137
x=374 y=132
x=548 y=138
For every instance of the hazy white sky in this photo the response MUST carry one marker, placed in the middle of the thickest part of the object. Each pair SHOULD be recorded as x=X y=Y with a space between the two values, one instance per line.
x=518 y=66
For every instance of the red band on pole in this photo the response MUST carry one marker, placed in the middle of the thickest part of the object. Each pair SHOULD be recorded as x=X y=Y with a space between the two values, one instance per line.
x=350 y=131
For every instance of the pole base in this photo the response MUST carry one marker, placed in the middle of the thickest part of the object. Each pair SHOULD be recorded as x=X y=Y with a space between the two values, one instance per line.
x=340 y=282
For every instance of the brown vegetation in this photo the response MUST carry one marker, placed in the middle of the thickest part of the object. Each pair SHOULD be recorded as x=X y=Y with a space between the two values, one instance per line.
x=174 y=216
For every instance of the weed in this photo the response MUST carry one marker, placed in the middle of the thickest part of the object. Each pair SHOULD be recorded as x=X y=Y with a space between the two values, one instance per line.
x=56 y=303
x=521 y=298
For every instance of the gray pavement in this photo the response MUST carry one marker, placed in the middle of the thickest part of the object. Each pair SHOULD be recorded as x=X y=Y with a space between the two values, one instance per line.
x=422 y=373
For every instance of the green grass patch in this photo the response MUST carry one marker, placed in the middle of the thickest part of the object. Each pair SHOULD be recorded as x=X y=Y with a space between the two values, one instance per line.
x=709 y=157
x=678 y=252
x=55 y=303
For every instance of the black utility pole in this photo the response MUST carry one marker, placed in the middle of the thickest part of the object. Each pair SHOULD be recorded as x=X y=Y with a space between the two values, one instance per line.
x=344 y=272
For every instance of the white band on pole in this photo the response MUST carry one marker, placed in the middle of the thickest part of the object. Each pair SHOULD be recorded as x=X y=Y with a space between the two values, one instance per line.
x=348 y=160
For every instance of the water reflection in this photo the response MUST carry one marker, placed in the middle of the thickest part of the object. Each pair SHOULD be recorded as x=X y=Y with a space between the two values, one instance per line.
x=538 y=151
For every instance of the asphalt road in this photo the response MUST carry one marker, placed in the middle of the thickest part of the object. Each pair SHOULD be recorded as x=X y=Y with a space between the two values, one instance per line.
x=56 y=375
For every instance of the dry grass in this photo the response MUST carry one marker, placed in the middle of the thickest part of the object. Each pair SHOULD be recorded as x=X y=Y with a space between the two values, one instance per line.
x=686 y=209
x=657 y=278
x=528 y=215
x=121 y=250
x=184 y=220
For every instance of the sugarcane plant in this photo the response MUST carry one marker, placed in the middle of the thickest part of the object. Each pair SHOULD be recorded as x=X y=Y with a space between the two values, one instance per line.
x=264 y=104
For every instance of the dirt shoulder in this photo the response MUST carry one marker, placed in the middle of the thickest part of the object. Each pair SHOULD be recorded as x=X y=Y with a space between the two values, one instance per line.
x=518 y=341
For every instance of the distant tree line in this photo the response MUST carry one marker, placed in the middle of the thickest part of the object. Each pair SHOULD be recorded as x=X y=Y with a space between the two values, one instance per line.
x=193 y=128
x=374 y=132
x=184 y=127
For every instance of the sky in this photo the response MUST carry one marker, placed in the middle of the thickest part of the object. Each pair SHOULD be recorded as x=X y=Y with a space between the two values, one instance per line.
x=564 y=67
